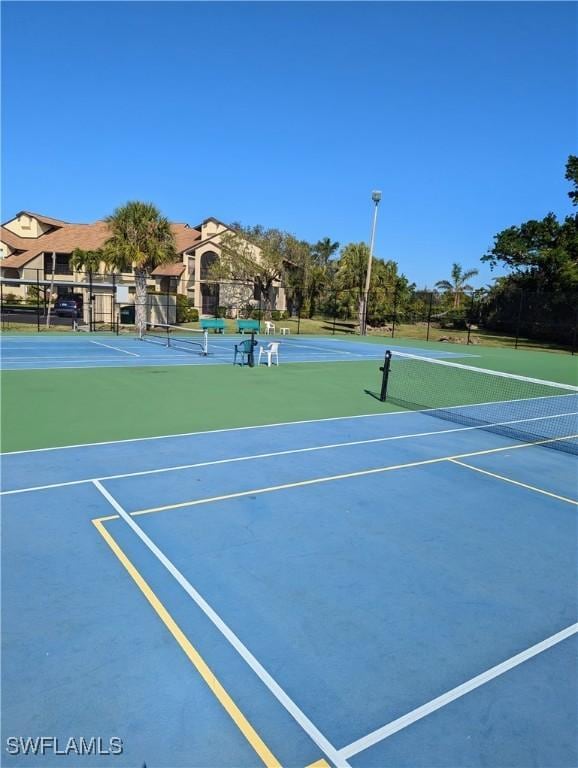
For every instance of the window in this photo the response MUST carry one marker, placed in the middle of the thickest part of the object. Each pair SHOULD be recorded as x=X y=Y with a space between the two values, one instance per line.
x=207 y=261
x=62 y=264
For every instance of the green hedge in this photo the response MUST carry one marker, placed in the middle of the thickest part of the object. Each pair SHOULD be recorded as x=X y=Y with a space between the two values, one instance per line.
x=186 y=313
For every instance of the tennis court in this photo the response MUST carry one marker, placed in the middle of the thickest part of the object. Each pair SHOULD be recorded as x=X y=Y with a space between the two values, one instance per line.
x=392 y=589
x=30 y=352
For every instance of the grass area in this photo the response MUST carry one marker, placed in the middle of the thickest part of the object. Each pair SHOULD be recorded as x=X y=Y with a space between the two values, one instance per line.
x=44 y=408
x=9 y=327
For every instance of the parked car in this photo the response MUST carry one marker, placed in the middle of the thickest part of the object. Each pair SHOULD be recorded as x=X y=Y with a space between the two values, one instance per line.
x=67 y=308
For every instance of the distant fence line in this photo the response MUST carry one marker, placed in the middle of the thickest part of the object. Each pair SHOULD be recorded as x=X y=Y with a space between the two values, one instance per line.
x=517 y=317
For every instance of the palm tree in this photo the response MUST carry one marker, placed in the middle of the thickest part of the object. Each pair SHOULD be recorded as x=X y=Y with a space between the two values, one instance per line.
x=141 y=238
x=458 y=283
x=323 y=250
x=89 y=261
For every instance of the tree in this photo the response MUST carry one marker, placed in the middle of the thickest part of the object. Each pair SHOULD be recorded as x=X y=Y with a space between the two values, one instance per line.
x=323 y=250
x=457 y=283
x=89 y=261
x=541 y=289
x=572 y=176
x=389 y=292
x=257 y=255
x=542 y=255
x=351 y=268
x=142 y=238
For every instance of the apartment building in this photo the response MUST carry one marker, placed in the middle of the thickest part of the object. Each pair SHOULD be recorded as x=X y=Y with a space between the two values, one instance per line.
x=36 y=249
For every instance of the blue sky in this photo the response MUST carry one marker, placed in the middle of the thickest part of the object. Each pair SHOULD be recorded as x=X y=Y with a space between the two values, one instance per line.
x=289 y=114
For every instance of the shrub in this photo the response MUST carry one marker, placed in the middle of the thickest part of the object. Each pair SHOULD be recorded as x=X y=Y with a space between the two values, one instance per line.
x=11 y=298
x=185 y=313
x=221 y=312
x=455 y=320
x=276 y=315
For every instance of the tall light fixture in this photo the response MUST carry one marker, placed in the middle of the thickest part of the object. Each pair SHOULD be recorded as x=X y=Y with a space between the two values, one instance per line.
x=376 y=197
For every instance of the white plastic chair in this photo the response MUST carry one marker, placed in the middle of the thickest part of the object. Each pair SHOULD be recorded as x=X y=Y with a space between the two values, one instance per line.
x=270 y=351
x=269 y=327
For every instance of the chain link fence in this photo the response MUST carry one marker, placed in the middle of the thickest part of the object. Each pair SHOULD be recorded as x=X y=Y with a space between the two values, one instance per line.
x=106 y=302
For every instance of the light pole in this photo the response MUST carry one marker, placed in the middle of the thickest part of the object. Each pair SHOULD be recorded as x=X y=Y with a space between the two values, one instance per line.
x=376 y=197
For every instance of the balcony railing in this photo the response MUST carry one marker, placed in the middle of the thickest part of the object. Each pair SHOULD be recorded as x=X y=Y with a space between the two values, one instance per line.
x=58 y=272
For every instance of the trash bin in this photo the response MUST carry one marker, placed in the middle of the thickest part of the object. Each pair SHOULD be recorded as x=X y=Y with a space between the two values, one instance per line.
x=127 y=315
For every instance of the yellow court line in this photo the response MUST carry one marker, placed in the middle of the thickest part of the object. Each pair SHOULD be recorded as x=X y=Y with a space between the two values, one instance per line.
x=319 y=764
x=514 y=482
x=193 y=655
x=344 y=476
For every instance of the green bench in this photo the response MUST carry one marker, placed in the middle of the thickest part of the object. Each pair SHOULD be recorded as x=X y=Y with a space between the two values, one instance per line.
x=216 y=324
x=247 y=325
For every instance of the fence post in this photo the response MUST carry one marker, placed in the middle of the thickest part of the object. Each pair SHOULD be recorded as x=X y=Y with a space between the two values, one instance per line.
x=334 y=311
x=519 y=319
x=394 y=311
x=299 y=319
x=575 y=332
x=2 y=302
x=38 y=300
x=471 y=312
x=114 y=320
x=429 y=315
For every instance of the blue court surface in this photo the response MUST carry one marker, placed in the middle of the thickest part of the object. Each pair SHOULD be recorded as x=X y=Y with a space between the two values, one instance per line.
x=388 y=590
x=108 y=351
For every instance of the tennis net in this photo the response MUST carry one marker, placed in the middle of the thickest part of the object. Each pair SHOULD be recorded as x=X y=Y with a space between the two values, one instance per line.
x=531 y=410
x=185 y=339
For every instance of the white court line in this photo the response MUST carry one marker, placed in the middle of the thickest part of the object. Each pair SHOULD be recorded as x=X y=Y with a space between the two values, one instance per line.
x=288 y=451
x=144 y=362
x=343 y=476
x=282 y=697
x=455 y=693
x=45 y=364
x=275 y=425
x=515 y=482
x=50 y=359
x=110 y=346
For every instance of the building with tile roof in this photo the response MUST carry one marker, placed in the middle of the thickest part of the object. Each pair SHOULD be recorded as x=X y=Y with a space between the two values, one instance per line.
x=38 y=248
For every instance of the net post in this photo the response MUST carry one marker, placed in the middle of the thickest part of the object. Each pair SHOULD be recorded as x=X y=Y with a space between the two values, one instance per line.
x=205 y=351
x=384 y=379
x=251 y=355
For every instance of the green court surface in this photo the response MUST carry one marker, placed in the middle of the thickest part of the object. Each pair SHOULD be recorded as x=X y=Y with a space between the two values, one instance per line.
x=44 y=408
